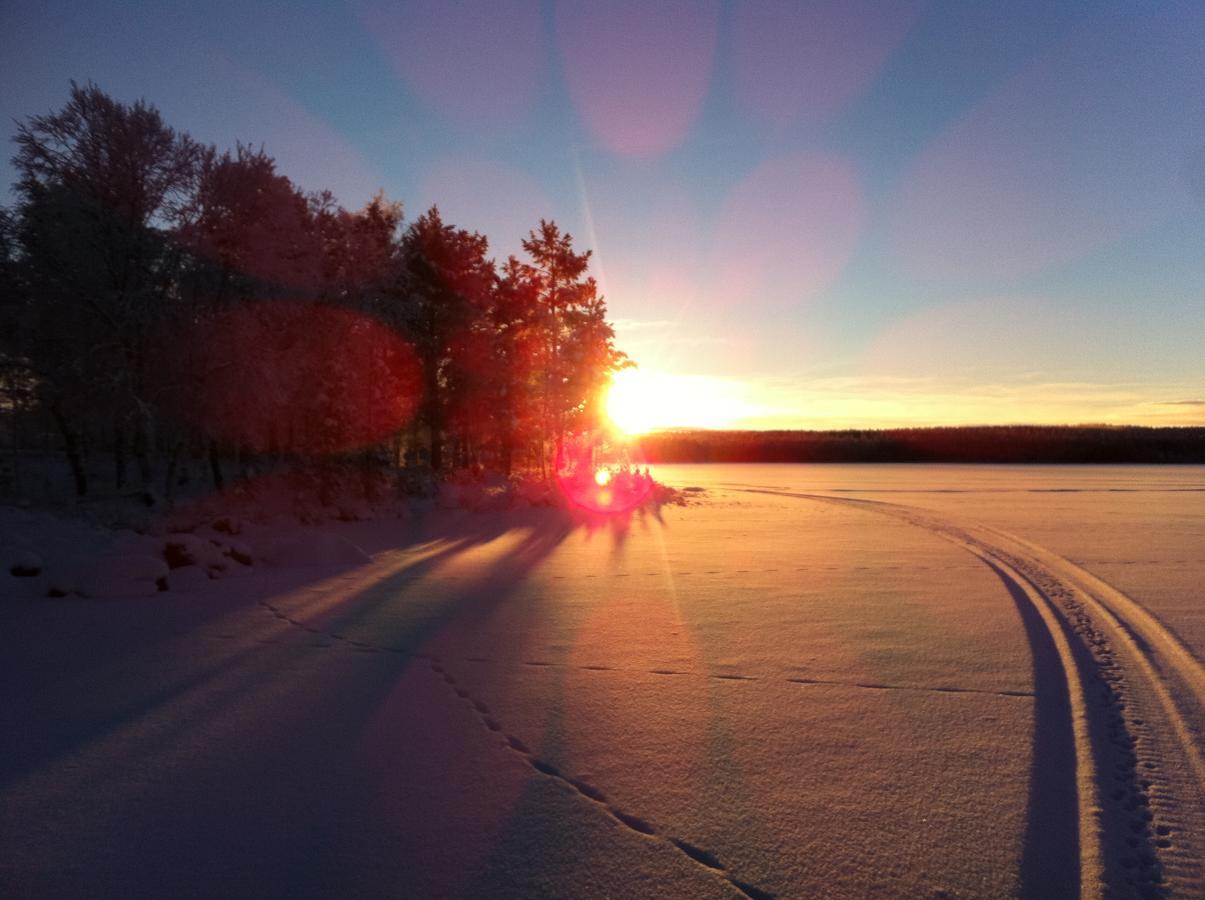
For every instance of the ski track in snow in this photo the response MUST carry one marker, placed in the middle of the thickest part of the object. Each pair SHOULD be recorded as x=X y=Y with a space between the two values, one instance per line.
x=1136 y=698
x=1130 y=695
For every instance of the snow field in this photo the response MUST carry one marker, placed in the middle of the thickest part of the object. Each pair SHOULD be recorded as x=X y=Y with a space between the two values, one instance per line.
x=758 y=694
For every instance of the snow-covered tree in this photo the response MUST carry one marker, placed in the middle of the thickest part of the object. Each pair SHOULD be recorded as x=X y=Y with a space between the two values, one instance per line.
x=100 y=185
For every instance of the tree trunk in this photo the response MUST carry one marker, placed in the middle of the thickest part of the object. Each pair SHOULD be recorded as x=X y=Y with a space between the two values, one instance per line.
x=368 y=471
x=215 y=466
x=327 y=493
x=142 y=452
x=169 y=481
x=71 y=447
x=433 y=415
x=437 y=458
x=119 y=457
x=508 y=453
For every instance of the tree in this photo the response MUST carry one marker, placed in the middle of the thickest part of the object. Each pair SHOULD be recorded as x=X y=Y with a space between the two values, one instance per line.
x=253 y=234
x=359 y=250
x=578 y=343
x=100 y=184
x=515 y=321
x=159 y=294
x=18 y=386
x=442 y=288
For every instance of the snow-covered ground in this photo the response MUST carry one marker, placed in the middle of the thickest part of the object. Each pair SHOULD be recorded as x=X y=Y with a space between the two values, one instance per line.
x=957 y=688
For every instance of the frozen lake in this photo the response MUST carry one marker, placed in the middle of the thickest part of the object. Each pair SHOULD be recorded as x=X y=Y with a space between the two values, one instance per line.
x=812 y=681
x=1141 y=528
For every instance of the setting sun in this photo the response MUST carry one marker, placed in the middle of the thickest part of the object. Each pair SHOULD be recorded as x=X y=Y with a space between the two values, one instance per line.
x=641 y=400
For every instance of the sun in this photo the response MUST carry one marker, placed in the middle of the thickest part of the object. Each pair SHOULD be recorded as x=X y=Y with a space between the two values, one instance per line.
x=630 y=405
x=639 y=401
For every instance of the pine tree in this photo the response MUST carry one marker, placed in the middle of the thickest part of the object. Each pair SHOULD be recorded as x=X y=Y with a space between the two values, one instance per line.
x=578 y=352
x=442 y=288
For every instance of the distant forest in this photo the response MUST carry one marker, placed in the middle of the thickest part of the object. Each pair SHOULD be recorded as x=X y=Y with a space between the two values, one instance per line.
x=163 y=301
x=986 y=444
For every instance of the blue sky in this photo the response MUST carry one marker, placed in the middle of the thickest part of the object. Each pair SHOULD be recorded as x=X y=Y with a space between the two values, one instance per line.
x=826 y=214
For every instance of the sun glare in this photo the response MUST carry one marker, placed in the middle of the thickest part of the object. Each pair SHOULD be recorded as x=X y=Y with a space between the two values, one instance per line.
x=640 y=400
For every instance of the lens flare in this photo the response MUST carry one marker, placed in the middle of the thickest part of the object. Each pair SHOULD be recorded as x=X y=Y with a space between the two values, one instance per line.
x=600 y=475
x=298 y=377
x=670 y=45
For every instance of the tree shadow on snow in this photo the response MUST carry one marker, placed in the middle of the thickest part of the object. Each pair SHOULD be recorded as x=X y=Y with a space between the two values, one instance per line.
x=82 y=690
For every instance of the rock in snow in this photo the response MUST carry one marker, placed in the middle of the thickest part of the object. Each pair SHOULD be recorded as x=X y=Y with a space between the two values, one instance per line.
x=20 y=561
x=180 y=550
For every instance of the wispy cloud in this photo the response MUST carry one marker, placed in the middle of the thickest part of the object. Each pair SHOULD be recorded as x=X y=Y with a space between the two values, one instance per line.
x=672 y=340
x=641 y=324
x=648 y=340
x=882 y=401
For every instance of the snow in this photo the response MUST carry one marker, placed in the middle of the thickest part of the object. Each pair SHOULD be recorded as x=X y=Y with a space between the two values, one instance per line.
x=796 y=696
x=275 y=520
x=317 y=548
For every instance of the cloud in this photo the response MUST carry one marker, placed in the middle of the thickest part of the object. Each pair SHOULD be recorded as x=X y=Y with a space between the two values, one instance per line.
x=876 y=401
x=641 y=324
x=676 y=340
x=643 y=338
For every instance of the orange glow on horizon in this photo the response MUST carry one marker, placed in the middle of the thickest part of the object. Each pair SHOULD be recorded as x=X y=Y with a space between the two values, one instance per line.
x=640 y=400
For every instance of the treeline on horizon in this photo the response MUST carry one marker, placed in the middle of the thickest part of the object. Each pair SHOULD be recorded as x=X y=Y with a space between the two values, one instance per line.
x=162 y=300
x=1031 y=444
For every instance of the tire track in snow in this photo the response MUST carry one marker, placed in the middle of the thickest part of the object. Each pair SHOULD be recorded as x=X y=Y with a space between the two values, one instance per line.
x=1136 y=698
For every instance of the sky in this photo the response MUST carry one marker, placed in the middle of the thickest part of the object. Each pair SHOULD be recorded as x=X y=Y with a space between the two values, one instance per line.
x=816 y=215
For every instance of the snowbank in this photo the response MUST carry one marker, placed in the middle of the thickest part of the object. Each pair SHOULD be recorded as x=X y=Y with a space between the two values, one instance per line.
x=275 y=521
x=48 y=556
